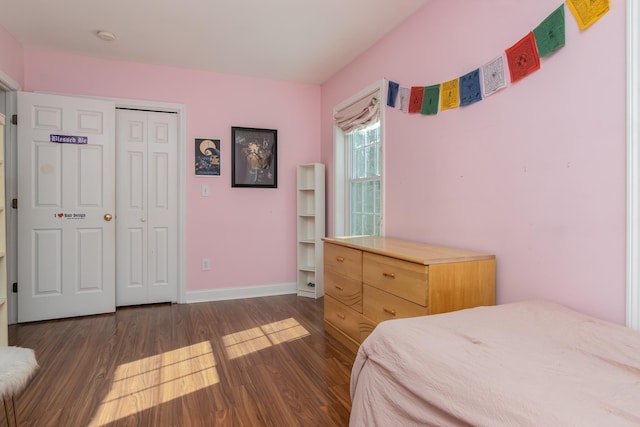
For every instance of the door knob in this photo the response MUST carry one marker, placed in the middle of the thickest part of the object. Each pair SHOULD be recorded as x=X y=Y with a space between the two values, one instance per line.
x=108 y=217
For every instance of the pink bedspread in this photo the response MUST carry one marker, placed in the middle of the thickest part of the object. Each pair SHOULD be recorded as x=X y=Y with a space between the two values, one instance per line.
x=521 y=364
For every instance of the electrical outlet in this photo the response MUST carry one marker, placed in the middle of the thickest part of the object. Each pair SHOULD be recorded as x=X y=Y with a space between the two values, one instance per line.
x=206 y=264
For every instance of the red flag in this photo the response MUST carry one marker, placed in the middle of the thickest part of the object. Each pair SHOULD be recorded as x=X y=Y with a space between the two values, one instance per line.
x=415 y=99
x=523 y=58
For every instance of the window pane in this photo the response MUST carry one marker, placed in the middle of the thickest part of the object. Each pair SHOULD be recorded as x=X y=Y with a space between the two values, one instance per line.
x=368 y=197
x=378 y=200
x=356 y=197
x=356 y=224
x=372 y=161
x=360 y=163
x=370 y=225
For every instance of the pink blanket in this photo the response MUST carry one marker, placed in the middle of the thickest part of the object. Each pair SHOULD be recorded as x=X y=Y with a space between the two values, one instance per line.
x=522 y=364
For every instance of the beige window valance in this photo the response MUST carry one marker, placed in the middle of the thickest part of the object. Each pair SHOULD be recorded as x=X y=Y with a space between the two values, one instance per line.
x=359 y=114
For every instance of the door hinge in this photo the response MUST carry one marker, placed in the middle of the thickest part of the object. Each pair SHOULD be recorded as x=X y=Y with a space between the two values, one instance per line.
x=14 y=203
x=14 y=288
x=14 y=119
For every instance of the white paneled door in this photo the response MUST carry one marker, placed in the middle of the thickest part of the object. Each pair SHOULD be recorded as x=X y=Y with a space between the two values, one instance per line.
x=66 y=193
x=146 y=207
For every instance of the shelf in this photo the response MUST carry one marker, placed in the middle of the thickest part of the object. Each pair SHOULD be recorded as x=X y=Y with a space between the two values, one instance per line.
x=307 y=175
x=304 y=278
x=310 y=226
x=306 y=293
x=306 y=205
x=306 y=258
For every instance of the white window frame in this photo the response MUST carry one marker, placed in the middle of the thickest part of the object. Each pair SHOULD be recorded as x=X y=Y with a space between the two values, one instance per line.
x=340 y=165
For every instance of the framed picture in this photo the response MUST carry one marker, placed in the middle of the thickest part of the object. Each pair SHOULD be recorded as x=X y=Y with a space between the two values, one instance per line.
x=207 y=160
x=254 y=157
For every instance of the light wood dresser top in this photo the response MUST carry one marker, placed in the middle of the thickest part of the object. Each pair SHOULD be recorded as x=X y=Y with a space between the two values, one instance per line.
x=420 y=253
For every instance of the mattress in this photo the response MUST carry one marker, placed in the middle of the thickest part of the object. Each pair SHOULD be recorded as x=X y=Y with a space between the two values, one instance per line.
x=532 y=363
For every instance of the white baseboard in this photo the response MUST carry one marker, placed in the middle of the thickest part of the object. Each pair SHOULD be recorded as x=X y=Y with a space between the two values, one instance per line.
x=244 y=292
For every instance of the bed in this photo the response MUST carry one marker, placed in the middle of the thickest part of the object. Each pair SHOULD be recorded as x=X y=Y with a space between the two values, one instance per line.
x=532 y=363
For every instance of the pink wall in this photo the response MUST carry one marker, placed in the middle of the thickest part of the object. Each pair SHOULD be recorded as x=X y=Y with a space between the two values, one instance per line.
x=535 y=173
x=11 y=57
x=249 y=234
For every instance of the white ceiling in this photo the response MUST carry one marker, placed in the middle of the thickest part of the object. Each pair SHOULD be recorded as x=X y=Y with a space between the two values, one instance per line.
x=296 y=40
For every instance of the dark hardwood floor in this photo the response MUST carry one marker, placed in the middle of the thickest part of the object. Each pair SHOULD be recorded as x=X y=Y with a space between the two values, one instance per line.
x=252 y=362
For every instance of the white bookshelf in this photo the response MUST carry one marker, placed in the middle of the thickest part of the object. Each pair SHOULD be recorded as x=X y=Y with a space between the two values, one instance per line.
x=311 y=222
x=3 y=234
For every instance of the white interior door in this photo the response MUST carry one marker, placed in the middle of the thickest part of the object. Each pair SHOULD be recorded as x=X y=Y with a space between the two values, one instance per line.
x=146 y=207
x=66 y=194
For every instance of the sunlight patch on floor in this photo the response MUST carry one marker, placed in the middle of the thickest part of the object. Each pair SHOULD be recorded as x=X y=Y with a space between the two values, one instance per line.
x=154 y=380
x=261 y=337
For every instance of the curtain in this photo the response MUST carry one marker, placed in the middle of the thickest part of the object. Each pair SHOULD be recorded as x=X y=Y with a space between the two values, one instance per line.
x=359 y=114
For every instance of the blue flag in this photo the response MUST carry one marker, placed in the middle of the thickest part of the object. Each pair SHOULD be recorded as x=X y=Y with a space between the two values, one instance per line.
x=392 y=93
x=470 y=88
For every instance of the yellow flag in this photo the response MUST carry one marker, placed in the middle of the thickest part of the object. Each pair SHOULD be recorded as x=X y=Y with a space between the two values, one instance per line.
x=587 y=12
x=449 y=94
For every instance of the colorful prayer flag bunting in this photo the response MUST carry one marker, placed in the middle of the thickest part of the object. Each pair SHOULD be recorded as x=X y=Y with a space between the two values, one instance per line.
x=523 y=58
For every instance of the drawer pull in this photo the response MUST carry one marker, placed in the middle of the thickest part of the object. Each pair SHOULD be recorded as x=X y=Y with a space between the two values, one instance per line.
x=342 y=316
x=389 y=274
x=391 y=311
x=340 y=258
x=340 y=288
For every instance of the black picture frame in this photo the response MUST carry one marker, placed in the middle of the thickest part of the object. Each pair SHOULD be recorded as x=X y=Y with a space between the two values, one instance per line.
x=254 y=157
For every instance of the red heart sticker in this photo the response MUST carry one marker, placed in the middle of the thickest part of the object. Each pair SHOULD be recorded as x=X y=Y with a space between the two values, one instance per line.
x=60 y=215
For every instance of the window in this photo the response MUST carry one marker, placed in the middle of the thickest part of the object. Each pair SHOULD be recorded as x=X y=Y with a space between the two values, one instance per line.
x=358 y=164
x=364 y=176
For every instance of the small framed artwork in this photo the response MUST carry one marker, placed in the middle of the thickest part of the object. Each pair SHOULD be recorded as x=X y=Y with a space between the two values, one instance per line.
x=207 y=157
x=254 y=157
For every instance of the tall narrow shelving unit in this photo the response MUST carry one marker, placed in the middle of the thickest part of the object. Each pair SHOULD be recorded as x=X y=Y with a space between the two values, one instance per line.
x=3 y=246
x=311 y=224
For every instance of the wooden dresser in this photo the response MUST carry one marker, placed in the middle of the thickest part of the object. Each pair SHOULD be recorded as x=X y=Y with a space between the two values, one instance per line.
x=369 y=279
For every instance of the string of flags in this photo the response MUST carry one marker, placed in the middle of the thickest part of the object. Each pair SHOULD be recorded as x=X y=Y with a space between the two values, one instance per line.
x=519 y=60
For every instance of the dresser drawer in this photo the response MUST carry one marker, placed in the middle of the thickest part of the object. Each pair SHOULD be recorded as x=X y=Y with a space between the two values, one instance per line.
x=402 y=278
x=380 y=305
x=342 y=317
x=344 y=289
x=346 y=262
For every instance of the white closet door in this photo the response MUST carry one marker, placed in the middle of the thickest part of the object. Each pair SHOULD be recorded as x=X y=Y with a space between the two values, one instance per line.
x=146 y=207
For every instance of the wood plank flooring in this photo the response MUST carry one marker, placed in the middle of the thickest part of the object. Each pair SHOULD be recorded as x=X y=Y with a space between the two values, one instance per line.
x=252 y=362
